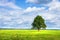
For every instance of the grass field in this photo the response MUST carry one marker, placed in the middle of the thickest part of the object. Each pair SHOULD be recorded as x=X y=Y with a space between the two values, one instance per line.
x=29 y=35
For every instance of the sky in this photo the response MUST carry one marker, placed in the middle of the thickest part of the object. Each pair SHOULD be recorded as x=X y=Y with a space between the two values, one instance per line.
x=21 y=13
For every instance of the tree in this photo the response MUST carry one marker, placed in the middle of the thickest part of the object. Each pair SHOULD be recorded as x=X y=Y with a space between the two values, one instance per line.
x=38 y=23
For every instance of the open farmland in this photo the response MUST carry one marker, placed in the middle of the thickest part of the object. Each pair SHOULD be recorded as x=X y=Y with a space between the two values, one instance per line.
x=29 y=35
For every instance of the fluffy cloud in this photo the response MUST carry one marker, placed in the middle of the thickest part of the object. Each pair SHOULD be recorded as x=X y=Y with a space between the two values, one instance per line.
x=9 y=4
x=32 y=1
x=9 y=14
x=17 y=17
x=55 y=4
x=54 y=8
x=34 y=9
x=51 y=16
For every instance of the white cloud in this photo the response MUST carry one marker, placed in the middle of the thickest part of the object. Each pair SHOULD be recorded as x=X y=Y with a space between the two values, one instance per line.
x=10 y=18
x=54 y=5
x=48 y=16
x=16 y=18
x=9 y=3
x=34 y=9
x=52 y=17
x=31 y=1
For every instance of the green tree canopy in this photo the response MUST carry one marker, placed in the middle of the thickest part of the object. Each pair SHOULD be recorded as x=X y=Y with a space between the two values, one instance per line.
x=38 y=23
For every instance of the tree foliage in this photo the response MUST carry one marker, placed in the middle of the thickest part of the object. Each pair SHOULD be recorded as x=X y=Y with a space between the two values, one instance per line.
x=38 y=23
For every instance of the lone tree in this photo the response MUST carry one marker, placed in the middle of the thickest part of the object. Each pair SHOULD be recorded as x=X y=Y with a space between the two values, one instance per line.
x=38 y=23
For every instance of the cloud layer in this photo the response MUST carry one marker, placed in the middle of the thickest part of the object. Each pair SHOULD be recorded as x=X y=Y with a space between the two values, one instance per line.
x=12 y=16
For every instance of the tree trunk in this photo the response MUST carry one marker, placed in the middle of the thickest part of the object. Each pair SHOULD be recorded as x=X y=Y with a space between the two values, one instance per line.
x=38 y=30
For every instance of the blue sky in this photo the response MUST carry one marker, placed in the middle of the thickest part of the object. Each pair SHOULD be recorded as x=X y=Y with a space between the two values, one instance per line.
x=21 y=13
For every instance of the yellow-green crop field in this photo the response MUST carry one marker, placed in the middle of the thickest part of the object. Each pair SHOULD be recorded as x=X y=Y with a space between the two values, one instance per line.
x=29 y=35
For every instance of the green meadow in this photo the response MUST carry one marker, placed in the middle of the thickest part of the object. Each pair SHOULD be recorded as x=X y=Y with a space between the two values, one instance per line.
x=29 y=35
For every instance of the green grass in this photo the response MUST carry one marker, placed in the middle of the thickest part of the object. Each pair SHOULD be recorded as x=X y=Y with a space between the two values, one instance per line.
x=29 y=35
